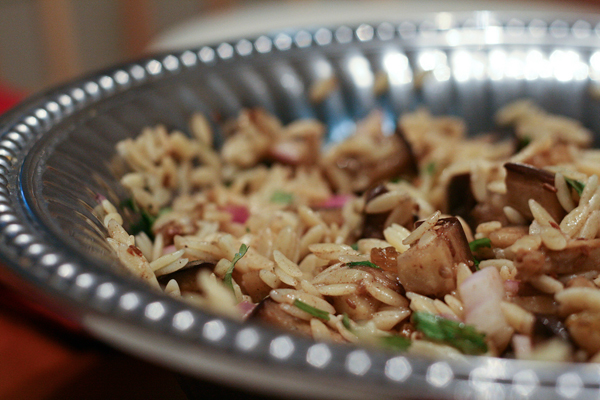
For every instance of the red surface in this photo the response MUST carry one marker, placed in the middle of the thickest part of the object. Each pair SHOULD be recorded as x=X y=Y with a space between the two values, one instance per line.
x=9 y=98
x=41 y=359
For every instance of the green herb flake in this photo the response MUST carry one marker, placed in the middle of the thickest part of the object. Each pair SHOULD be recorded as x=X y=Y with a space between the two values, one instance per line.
x=129 y=203
x=578 y=186
x=430 y=168
x=227 y=279
x=480 y=243
x=282 y=197
x=476 y=245
x=146 y=220
x=398 y=180
x=399 y=343
x=354 y=246
x=315 y=312
x=456 y=334
x=523 y=142
x=346 y=322
x=163 y=211
x=369 y=264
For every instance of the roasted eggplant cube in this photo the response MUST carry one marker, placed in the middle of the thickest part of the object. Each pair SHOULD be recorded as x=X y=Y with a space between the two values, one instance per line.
x=524 y=182
x=428 y=267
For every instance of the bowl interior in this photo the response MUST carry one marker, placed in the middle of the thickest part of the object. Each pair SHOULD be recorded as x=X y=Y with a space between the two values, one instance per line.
x=74 y=163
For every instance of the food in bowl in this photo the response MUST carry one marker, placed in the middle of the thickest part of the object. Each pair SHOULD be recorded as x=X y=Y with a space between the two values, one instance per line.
x=422 y=239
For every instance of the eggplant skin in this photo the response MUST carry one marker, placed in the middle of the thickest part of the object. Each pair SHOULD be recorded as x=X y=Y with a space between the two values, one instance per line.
x=579 y=256
x=524 y=182
x=269 y=312
x=374 y=224
x=459 y=198
x=403 y=214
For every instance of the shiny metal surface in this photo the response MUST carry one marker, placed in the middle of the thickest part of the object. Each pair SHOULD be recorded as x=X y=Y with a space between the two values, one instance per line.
x=56 y=152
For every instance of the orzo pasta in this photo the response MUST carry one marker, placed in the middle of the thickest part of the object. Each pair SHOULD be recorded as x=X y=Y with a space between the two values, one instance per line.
x=424 y=239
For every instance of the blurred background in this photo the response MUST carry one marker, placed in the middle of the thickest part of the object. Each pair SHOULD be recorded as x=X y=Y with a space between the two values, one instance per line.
x=44 y=42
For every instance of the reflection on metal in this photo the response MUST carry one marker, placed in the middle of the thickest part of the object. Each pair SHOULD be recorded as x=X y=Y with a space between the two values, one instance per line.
x=525 y=382
x=365 y=32
x=281 y=347
x=183 y=320
x=358 y=362
x=84 y=280
x=569 y=385
x=263 y=44
x=303 y=39
x=244 y=47
x=283 y=41
x=225 y=51
x=318 y=355
x=397 y=68
x=247 y=339
x=129 y=301
x=439 y=374
x=398 y=369
x=484 y=380
x=323 y=36
x=360 y=70
x=155 y=311
x=214 y=330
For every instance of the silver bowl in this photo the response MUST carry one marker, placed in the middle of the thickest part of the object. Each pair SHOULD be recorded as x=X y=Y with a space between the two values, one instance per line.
x=54 y=162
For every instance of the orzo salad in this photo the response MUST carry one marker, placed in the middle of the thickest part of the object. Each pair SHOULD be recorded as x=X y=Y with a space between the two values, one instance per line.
x=422 y=239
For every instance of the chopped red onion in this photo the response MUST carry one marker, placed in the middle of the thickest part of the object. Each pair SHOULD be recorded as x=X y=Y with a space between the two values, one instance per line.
x=169 y=249
x=240 y=214
x=512 y=286
x=100 y=198
x=336 y=201
x=246 y=308
x=522 y=346
x=450 y=316
x=481 y=294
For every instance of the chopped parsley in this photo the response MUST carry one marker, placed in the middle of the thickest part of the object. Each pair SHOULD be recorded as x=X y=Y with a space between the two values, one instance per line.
x=164 y=210
x=578 y=186
x=315 y=312
x=354 y=246
x=146 y=220
x=129 y=203
x=346 y=322
x=227 y=279
x=456 y=334
x=282 y=197
x=369 y=264
x=523 y=142
x=476 y=245
x=430 y=168
x=480 y=243
x=399 y=343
